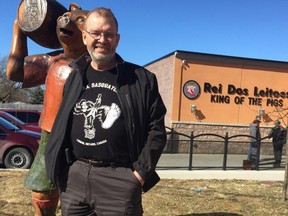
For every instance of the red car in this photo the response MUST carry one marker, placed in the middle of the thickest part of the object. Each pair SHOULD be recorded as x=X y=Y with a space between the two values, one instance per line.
x=17 y=147
x=30 y=117
x=18 y=123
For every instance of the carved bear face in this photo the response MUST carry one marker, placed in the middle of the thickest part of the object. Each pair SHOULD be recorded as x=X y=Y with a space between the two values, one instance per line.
x=70 y=26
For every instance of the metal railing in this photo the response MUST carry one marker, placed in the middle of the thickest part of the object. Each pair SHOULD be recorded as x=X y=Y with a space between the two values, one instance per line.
x=224 y=140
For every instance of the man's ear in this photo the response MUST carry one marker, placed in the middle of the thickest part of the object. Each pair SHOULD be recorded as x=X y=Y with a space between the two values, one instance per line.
x=117 y=38
x=84 y=37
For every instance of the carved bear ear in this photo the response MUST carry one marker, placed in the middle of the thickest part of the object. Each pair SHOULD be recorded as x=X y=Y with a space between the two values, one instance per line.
x=74 y=6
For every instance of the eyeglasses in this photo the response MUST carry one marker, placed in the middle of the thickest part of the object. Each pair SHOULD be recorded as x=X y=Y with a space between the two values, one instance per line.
x=97 y=35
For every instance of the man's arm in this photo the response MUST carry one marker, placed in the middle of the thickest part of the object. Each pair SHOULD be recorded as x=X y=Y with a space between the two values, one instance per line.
x=156 y=134
x=271 y=133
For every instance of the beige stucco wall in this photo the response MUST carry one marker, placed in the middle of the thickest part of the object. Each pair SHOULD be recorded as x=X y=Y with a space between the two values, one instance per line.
x=164 y=71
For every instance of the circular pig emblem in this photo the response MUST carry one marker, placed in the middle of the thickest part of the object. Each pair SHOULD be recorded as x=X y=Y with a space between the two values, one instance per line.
x=191 y=89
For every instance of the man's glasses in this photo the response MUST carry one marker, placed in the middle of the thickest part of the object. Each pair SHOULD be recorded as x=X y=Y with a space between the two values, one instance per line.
x=97 y=35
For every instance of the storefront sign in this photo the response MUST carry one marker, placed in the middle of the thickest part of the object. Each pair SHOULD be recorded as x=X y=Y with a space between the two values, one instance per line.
x=255 y=96
x=233 y=94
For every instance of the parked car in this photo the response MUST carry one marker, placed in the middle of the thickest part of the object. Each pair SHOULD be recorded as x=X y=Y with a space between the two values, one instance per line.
x=17 y=147
x=28 y=116
x=17 y=122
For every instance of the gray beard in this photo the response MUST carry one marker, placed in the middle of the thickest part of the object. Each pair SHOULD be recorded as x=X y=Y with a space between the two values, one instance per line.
x=100 y=59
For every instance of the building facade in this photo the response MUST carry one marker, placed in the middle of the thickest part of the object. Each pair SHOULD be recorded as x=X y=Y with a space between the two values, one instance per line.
x=221 y=94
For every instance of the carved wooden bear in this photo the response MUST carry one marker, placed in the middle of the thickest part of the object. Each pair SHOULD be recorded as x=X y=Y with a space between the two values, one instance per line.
x=50 y=69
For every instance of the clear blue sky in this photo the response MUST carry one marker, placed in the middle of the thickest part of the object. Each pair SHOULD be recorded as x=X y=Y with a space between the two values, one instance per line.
x=150 y=29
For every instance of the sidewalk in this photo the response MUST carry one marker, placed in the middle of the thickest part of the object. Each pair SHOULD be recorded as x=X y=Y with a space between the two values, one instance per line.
x=168 y=163
x=277 y=175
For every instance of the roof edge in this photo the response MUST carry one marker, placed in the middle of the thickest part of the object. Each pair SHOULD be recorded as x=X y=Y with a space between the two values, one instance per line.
x=179 y=52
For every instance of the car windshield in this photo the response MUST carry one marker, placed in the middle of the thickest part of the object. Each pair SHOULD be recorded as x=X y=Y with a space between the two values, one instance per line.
x=13 y=119
x=7 y=124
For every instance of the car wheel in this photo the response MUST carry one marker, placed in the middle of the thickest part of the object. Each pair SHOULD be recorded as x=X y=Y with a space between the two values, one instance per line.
x=18 y=158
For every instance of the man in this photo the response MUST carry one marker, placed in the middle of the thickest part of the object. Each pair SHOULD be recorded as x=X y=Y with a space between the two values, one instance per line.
x=255 y=137
x=109 y=132
x=51 y=69
x=278 y=135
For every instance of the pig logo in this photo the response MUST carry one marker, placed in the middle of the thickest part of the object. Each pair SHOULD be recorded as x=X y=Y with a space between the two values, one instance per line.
x=191 y=89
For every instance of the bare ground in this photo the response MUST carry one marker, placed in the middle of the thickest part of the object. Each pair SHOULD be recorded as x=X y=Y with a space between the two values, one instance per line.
x=172 y=197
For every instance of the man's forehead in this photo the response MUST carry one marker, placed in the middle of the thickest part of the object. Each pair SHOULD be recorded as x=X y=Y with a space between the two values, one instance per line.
x=101 y=22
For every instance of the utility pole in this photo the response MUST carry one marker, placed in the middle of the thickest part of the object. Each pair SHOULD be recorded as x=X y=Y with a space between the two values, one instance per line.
x=284 y=198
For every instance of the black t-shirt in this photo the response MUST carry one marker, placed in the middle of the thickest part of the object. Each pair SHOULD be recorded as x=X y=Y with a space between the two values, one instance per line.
x=97 y=124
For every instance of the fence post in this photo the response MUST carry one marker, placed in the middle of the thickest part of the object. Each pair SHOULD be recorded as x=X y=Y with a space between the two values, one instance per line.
x=225 y=152
x=191 y=151
x=171 y=144
x=172 y=134
x=258 y=153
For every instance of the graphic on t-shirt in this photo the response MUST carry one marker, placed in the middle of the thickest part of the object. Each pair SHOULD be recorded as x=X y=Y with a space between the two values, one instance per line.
x=107 y=115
